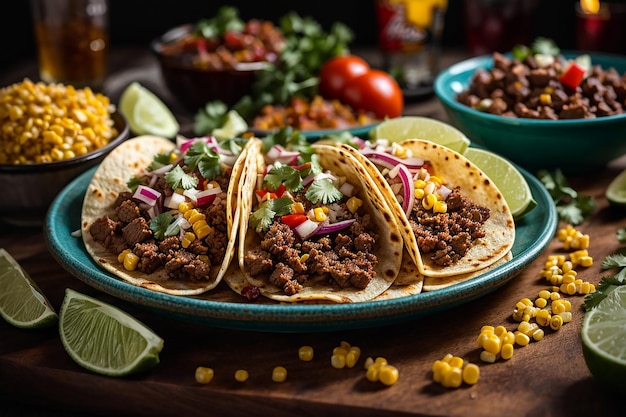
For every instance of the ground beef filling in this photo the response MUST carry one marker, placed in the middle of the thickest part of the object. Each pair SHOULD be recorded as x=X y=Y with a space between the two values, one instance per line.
x=344 y=258
x=447 y=237
x=129 y=228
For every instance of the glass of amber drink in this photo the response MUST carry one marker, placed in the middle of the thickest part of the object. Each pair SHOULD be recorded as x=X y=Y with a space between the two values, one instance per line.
x=72 y=41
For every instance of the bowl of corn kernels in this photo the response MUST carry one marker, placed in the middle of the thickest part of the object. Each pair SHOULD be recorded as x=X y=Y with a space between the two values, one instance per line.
x=49 y=134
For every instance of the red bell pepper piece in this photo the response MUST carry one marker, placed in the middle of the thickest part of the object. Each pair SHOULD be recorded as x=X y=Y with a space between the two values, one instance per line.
x=573 y=75
x=294 y=219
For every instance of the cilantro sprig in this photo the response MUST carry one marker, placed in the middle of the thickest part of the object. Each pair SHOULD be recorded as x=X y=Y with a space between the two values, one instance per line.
x=201 y=157
x=178 y=178
x=609 y=283
x=572 y=207
x=324 y=191
x=262 y=218
x=283 y=174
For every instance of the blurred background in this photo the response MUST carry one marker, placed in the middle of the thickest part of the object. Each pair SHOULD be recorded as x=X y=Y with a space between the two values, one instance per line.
x=136 y=22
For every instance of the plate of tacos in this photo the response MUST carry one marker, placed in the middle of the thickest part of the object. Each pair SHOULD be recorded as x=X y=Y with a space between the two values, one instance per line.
x=278 y=234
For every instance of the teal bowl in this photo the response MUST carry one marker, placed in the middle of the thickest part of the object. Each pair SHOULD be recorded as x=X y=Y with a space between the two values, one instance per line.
x=570 y=145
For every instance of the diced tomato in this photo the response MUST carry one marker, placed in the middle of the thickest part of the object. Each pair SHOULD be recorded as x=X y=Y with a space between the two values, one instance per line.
x=294 y=219
x=573 y=75
x=265 y=195
x=281 y=190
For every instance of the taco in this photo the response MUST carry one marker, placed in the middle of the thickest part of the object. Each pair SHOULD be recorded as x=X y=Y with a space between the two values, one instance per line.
x=315 y=228
x=163 y=216
x=453 y=218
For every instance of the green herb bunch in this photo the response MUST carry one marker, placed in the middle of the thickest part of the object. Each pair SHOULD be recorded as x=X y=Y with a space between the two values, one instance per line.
x=307 y=47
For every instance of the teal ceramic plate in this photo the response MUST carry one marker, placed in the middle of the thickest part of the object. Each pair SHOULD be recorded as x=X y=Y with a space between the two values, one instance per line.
x=223 y=308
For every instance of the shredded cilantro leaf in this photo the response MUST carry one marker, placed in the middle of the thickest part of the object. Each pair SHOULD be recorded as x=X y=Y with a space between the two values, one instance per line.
x=159 y=161
x=160 y=223
x=621 y=235
x=201 y=157
x=133 y=183
x=290 y=139
x=178 y=178
x=572 y=207
x=280 y=174
x=262 y=218
x=323 y=191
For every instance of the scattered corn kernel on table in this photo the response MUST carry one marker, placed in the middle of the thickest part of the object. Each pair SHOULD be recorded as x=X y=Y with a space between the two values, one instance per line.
x=546 y=378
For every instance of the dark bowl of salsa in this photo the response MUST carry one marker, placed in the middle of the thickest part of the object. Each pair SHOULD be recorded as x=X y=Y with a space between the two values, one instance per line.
x=200 y=63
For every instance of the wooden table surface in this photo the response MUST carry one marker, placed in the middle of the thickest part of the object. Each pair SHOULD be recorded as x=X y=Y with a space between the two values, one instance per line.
x=546 y=378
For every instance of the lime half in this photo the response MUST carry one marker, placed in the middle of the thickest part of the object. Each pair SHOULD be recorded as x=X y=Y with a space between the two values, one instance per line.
x=616 y=191
x=507 y=178
x=22 y=303
x=417 y=127
x=234 y=126
x=146 y=113
x=603 y=334
x=104 y=339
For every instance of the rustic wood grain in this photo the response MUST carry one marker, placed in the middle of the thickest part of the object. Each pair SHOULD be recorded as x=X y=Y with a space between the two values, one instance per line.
x=546 y=378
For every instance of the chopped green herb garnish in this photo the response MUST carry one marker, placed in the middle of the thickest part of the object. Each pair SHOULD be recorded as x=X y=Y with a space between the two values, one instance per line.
x=133 y=183
x=201 y=157
x=226 y=20
x=178 y=178
x=621 y=235
x=609 y=283
x=572 y=207
x=160 y=223
x=159 y=161
x=324 y=191
x=262 y=218
x=283 y=174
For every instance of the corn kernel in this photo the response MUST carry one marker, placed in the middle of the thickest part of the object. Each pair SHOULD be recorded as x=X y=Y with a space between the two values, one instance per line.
x=556 y=322
x=279 y=374
x=352 y=357
x=338 y=361
x=241 y=375
x=507 y=351
x=453 y=378
x=372 y=373
x=204 y=375
x=522 y=339
x=388 y=374
x=440 y=207
x=488 y=357
x=353 y=204
x=428 y=201
x=320 y=216
x=130 y=261
x=471 y=373
x=538 y=335
x=305 y=353
x=298 y=207
x=456 y=362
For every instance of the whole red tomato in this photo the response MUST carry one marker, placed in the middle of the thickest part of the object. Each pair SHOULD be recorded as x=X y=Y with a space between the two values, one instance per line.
x=337 y=71
x=375 y=91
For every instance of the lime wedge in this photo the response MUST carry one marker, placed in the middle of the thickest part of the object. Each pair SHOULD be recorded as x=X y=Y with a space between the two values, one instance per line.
x=603 y=334
x=234 y=126
x=104 y=339
x=22 y=304
x=507 y=178
x=146 y=113
x=416 y=127
x=616 y=191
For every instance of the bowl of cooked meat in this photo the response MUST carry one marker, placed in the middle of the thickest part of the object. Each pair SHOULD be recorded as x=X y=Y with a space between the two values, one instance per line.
x=215 y=58
x=565 y=110
x=51 y=133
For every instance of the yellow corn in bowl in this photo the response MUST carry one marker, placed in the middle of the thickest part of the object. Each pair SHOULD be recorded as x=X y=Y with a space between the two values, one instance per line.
x=49 y=134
